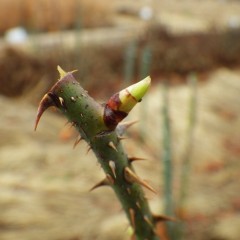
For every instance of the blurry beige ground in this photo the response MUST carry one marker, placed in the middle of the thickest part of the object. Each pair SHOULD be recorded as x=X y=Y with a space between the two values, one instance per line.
x=45 y=183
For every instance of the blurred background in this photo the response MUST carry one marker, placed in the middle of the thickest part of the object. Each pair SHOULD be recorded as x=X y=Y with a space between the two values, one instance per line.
x=188 y=124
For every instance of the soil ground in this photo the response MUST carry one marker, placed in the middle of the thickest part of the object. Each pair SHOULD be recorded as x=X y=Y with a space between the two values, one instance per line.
x=45 y=183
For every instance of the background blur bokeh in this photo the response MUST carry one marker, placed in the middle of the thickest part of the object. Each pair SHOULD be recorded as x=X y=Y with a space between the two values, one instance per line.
x=190 y=48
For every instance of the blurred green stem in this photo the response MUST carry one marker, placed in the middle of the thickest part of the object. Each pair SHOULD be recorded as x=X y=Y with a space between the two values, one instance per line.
x=167 y=160
x=186 y=162
x=145 y=64
x=130 y=58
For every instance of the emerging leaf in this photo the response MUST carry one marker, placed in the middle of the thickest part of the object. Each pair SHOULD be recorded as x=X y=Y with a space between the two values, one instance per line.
x=121 y=103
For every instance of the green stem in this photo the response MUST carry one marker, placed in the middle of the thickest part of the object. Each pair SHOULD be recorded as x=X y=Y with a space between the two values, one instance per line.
x=87 y=116
x=145 y=64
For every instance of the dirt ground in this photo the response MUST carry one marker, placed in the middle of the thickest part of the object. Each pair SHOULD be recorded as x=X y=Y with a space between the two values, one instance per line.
x=45 y=182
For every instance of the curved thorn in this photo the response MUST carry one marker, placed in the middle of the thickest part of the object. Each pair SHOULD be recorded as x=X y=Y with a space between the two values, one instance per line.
x=133 y=159
x=45 y=103
x=62 y=73
x=132 y=217
x=113 y=168
x=78 y=140
x=131 y=177
x=121 y=128
x=163 y=218
x=104 y=182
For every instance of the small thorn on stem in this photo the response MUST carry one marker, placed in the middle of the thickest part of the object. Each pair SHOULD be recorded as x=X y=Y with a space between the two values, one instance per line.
x=120 y=138
x=129 y=191
x=112 y=145
x=61 y=100
x=163 y=218
x=112 y=165
x=89 y=148
x=67 y=122
x=147 y=220
x=78 y=140
x=121 y=128
x=131 y=177
x=133 y=159
x=110 y=179
x=104 y=182
x=132 y=217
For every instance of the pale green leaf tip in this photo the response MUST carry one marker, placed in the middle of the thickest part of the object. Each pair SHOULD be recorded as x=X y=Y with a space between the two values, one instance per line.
x=139 y=89
x=62 y=73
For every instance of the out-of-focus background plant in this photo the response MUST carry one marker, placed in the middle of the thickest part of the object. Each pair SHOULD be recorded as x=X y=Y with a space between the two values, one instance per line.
x=188 y=125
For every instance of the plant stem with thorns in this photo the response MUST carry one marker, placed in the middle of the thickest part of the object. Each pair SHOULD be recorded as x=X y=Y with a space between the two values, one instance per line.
x=98 y=126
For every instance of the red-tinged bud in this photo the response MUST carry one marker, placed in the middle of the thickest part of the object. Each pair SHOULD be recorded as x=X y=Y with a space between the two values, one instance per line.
x=121 y=103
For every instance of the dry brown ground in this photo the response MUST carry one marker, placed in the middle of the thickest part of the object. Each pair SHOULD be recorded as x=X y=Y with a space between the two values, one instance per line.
x=45 y=183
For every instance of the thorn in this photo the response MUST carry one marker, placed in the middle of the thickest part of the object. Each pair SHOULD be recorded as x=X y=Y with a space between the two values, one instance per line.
x=111 y=145
x=163 y=218
x=120 y=138
x=61 y=100
x=147 y=220
x=73 y=124
x=121 y=128
x=110 y=179
x=133 y=159
x=78 y=140
x=67 y=122
x=131 y=177
x=73 y=99
x=62 y=73
x=132 y=217
x=73 y=71
x=113 y=167
x=104 y=182
x=89 y=148
x=138 y=205
x=44 y=104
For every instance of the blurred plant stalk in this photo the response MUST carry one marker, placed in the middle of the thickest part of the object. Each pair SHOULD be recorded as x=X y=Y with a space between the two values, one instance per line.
x=167 y=161
x=187 y=157
x=145 y=64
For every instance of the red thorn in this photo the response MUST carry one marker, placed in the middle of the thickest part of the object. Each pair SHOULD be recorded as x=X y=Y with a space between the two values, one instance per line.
x=132 y=159
x=78 y=140
x=163 y=218
x=112 y=145
x=45 y=103
x=132 y=217
x=120 y=138
x=68 y=122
